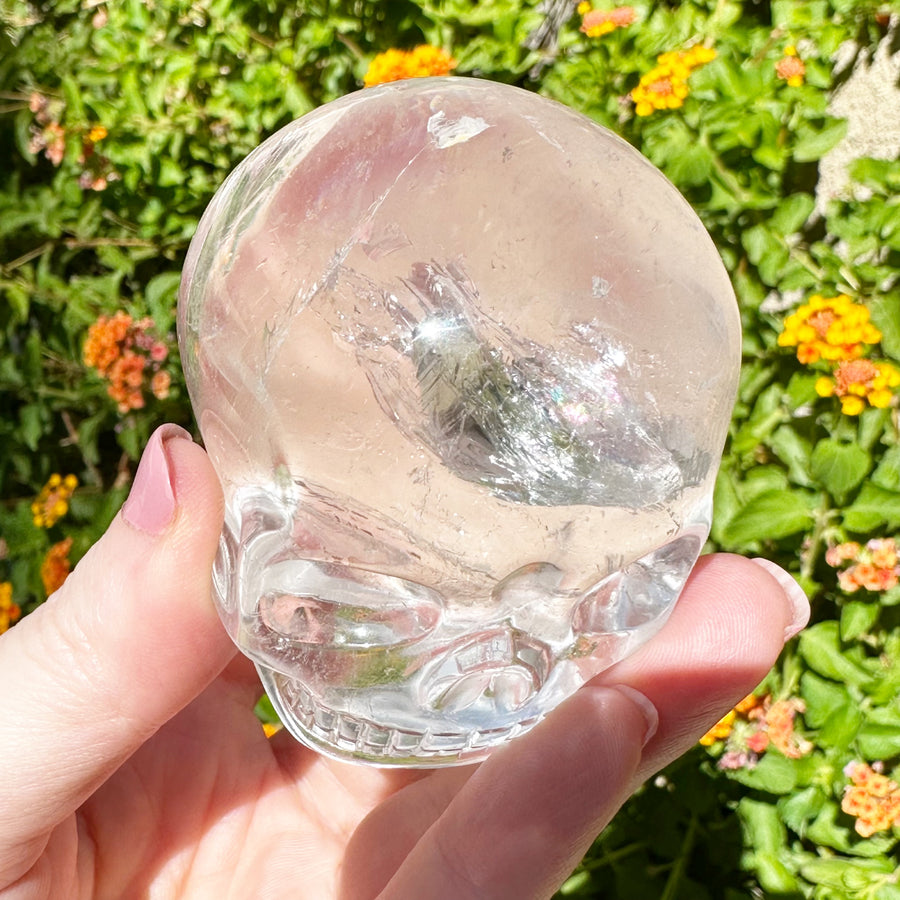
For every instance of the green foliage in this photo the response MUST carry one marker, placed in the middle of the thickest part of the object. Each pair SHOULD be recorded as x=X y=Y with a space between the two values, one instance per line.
x=147 y=107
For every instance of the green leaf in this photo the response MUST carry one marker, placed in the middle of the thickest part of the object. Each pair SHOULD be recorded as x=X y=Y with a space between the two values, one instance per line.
x=820 y=646
x=886 y=317
x=823 y=698
x=794 y=451
x=773 y=773
x=879 y=741
x=857 y=617
x=792 y=213
x=813 y=143
x=766 y=250
x=873 y=508
x=826 y=830
x=799 y=809
x=768 y=516
x=762 y=826
x=839 y=467
x=887 y=472
x=690 y=165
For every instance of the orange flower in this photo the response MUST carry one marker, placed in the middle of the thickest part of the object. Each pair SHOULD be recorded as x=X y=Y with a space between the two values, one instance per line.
x=790 y=68
x=779 y=719
x=872 y=798
x=125 y=353
x=396 y=65
x=754 y=726
x=858 y=382
x=598 y=22
x=56 y=566
x=875 y=567
x=9 y=611
x=104 y=341
x=159 y=385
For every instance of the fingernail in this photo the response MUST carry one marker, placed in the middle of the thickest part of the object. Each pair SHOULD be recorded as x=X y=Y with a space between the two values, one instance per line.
x=150 y=506
x=647 y=709
x=795 y=594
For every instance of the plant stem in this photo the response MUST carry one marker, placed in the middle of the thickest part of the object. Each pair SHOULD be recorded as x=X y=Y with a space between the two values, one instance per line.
x=673 y=882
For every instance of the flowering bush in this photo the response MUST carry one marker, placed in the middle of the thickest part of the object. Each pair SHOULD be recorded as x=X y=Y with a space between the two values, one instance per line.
x=118 y=122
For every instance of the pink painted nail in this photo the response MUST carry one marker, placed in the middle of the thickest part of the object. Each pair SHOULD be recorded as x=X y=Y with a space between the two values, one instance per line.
x=150 y=506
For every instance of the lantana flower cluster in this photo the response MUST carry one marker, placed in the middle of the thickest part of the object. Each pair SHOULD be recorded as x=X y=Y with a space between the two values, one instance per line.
x=52 y=501
x=871 y=797
x=9 y=611
x=599 y=22
x=790 y=67
x=665 y=85
x=753 y=726
x=56 y=566
x=48 y=135
x=128 y=355
x=838 y=331
x=874 y=567
x=420 y=62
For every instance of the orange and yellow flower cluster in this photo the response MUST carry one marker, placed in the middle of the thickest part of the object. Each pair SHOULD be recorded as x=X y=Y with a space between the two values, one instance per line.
x=126 y=353
x=831 y=328
x=753 y=726
x=857 y=382
x=52 y=502
x=874 y=567
x=9 y=611
x=598 y=22
x=791 y=68
x=839 y=331
x=420 y=62
x=56 y=566
x=722 y=729
x=872 y=798
x=665 y=85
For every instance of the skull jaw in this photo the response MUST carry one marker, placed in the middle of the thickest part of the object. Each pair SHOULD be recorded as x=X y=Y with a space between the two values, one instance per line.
x=373 y=668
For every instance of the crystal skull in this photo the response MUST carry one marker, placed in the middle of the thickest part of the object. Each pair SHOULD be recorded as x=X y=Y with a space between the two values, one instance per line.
x=464 y=362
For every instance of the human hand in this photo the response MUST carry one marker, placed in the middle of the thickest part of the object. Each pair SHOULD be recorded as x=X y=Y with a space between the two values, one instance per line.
x=132 y=764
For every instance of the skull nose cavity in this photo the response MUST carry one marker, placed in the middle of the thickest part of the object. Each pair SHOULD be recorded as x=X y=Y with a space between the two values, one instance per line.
x=335 y=606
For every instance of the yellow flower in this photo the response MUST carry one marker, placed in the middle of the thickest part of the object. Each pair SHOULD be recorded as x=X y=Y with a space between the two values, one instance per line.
x=665 y=85
x=831 y=328
x=720 y=730
x=97 y=133
x=52 y=502
x=271 y=728
x=858 y=382
x=9 y=611
x=421 y=62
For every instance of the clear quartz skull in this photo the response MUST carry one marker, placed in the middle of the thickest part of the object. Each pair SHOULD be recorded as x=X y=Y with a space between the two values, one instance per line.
x=464 y=362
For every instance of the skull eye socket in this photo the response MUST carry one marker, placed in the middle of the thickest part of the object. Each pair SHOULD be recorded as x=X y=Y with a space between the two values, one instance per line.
x=336 y=606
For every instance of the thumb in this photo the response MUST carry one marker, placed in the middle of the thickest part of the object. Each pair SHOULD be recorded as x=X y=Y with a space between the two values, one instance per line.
x=129 y=640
